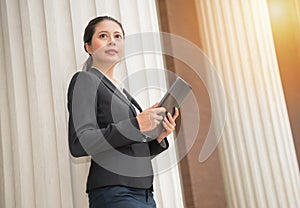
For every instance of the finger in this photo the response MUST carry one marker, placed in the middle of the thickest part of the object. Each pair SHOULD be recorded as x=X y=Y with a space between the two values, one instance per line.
x=156 y=122
x=159 y=110
x=176 y=114
x=166 y=127
x=153 y=124
x=157 y=117
x=155 y=105
x=169 y=124
x=169 y=128
x=171 y=120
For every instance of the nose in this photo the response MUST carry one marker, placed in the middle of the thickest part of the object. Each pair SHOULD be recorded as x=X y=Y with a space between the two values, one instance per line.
x=112 y=40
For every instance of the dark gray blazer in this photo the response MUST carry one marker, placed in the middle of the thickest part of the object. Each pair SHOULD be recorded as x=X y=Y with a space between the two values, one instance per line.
x=103 y=124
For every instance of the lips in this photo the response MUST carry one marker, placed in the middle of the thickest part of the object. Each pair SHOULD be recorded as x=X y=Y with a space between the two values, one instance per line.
x=111 y=51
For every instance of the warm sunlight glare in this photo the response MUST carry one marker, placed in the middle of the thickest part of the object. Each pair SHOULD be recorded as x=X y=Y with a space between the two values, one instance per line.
x=279 y=11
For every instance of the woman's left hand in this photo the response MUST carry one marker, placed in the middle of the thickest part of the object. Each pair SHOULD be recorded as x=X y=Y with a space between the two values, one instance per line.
x=169 y=125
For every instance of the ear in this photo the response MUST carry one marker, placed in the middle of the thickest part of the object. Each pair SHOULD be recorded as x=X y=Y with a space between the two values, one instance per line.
x=88 y=48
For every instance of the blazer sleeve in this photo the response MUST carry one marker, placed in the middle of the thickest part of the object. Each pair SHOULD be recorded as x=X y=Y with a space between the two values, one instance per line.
x=85 y=136
x=156 y=147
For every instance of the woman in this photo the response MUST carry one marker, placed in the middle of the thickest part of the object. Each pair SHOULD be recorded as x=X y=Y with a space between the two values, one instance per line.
x=103 y=123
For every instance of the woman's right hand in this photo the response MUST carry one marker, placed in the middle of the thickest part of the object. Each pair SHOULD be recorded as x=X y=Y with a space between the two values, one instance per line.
x=150 y=117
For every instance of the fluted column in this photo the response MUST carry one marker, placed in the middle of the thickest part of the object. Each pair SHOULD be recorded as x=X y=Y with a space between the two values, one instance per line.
x=140 y=17
x=41 y=47
x=257 y=153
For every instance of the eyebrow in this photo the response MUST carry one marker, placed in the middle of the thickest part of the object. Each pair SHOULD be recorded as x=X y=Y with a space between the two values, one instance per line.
x=108 y=31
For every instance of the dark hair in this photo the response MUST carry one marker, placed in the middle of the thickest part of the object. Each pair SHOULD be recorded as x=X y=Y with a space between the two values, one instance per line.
x=90 y=28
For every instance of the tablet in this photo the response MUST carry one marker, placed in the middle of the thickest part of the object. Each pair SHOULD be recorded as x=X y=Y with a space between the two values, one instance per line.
x=174 y=97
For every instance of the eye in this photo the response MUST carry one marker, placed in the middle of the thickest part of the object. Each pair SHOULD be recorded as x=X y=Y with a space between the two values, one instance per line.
x=103 y=36
x=118 y=36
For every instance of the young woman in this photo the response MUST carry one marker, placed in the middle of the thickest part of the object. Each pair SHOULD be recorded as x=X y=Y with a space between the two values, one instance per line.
x=104 y=124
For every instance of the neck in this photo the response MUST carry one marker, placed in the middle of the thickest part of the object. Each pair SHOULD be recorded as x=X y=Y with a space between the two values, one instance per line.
x=108 y=70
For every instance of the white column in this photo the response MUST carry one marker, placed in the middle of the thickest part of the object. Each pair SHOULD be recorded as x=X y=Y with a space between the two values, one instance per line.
x=41 y=48
x=257 y=152
x=137 y=17
x=6 y=160
x=81 y=12
x=16 y=111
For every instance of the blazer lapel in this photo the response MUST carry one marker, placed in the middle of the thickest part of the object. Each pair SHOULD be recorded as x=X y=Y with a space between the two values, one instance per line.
x=112 y=87
x=132 y=100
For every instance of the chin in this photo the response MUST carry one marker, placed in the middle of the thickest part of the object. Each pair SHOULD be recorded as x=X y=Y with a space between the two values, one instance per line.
x=115 y=59
x=113 y=62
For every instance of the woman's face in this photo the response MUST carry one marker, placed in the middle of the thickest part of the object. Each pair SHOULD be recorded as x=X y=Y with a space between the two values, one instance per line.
x=107 y=44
